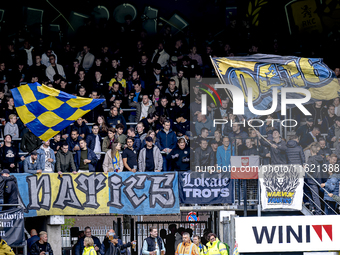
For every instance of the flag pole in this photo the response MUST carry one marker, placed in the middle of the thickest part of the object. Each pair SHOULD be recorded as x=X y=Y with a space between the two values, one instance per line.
x=223 y=82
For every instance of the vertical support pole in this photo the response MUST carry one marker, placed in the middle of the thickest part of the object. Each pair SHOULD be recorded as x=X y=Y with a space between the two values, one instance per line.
x=245 y=198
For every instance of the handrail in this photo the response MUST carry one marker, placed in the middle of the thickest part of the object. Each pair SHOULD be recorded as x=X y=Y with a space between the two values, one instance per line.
x=318 y=196
x=314 y=203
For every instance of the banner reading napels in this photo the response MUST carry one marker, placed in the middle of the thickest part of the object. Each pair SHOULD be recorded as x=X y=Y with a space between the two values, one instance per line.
x=95 y=193
x=205 y=188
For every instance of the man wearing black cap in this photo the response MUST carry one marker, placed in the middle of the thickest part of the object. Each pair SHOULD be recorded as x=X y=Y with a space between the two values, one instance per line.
x=182 y=126
x=11 y=189
x=302 y=131
x=150 y=158
x=31 y=164
x=9 y=155
x=112 y=245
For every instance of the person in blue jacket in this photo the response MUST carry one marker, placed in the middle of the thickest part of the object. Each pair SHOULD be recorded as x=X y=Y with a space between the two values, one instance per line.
x=224 y=153
x=85 y=159
x=167 y=141
x=331 y=186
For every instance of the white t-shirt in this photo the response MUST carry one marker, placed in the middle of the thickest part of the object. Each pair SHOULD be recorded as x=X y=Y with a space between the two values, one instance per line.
x=48 y=165
x=97 y=147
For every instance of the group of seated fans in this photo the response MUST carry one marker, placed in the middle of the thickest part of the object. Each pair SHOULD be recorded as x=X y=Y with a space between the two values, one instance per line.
x=142 y=124
x=150 y=119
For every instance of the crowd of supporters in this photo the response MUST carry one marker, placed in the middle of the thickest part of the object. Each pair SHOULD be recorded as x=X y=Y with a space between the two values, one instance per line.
x=151 y=117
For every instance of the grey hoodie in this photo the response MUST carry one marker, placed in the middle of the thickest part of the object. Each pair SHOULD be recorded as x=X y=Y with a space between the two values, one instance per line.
x=11 y=129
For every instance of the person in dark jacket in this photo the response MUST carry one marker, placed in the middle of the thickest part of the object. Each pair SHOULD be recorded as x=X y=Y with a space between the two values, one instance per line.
x=314 y=164
x=65 y=160
x=324 y=151
x=34 y=238
x=310 y=137
x=265 y=155
x=180 y=157
x=250 y=150
x=29 y=142
x=204 y=155
x=73 y=141
x=42 y=245
x=302 y=131
x=167 y=141
x=115 y=119
x=11 y=189
x=114 y=246
x=85 y=159
x=137 y=144
x=153 y=243
x=94 y=138
x=9 y=155
x=79 y=247
x=236 y=132
x=2 y=190
x=183 y=125
x=55 y=144
x=328 y=121
x=277 y=148
x=81 y=127
x=318 y=112
x=334 y=133
x=295 y=154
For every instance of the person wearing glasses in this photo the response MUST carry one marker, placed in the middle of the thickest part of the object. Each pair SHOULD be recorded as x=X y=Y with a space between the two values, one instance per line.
x=215 y=246
x=80 y=244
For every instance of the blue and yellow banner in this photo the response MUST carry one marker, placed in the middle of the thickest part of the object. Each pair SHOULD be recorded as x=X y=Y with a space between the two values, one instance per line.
x=96 y=193
x=47 y=111
x=262 y=73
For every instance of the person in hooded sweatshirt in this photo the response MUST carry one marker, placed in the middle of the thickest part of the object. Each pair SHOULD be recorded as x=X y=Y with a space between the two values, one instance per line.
x=46 y=158
x=295 y=154
x=11 y=189
x=11 y=128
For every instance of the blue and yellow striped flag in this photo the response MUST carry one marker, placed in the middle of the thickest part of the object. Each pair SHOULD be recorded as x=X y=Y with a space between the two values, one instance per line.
x=47 y=111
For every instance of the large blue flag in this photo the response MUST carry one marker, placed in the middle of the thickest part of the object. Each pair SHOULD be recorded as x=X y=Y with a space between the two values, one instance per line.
x=47 y=111
x=263 y=72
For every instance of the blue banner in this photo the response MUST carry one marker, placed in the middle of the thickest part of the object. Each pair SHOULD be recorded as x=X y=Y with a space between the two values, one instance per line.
x=96 y=193
x=262 y=73
x=205 y=188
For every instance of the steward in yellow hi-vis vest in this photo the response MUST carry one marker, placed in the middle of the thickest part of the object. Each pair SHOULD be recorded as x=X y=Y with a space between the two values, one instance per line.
x=201 y=247
x=215 y=246
x=186 y=247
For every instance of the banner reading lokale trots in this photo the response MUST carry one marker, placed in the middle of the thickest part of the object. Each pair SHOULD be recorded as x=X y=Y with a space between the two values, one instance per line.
x=205 y=188
x=12 y=226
